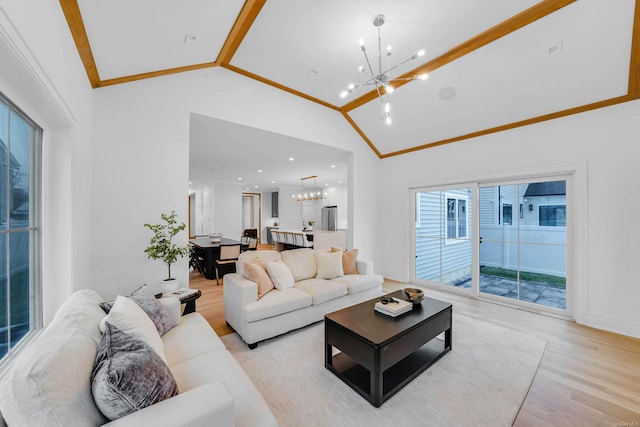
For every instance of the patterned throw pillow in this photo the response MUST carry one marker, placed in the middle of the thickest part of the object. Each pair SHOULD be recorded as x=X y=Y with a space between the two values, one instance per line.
x=128 y=375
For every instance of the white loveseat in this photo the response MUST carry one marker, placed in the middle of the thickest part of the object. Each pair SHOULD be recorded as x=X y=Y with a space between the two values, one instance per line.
x=280 y=311
x=49 y=382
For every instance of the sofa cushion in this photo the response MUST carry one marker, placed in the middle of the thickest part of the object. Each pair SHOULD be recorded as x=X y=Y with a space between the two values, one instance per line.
x=301 y=262
x=321 y=290
x=275 y=303
x=256 y=272
x=280 y=275
x=48 y=384
x=358 y=282
x=191 y=338
x=250 y=407
x=329 y=265
x=128 y=375
x=128 y=317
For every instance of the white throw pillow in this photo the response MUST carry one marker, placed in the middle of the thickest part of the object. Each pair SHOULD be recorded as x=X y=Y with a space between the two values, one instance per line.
x=329 y=265
x=127 y=316
x=280 y=275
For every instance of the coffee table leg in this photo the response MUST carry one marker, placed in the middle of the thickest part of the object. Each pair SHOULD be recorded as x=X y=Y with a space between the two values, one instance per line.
x=447 y=338
x=376 y=381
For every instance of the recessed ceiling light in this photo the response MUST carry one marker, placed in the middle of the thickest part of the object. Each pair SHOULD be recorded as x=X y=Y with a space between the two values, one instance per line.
x=291 y=159
x=333 y=166
x=255 y=186
x=190 y=38
x=259 y=170
x=273 y=182
x=239 y=179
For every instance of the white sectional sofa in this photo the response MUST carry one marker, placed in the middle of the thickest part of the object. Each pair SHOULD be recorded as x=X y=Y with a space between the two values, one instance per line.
x=49 y=382
x=280 y=311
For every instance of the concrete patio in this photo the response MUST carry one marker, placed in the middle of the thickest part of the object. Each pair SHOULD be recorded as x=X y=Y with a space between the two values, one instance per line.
x=538 y=293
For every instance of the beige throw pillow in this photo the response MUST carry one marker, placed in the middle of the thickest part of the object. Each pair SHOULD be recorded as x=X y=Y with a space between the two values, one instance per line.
x=329 y=265
x=280 y=274
x=349 y=258
x=255 y=271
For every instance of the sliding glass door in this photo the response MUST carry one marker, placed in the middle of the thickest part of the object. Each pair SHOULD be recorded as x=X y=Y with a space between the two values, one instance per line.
x=518 y=253
x=443 y=249
x=523 y=242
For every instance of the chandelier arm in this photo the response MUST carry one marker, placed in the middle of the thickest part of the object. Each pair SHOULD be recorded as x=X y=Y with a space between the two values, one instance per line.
x=366 y=57
x=379 y=52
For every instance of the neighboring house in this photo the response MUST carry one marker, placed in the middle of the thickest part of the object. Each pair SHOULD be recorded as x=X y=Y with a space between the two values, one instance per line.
x=522 y=227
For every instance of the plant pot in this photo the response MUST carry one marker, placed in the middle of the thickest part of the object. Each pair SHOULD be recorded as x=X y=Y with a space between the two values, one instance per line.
x=169 y=285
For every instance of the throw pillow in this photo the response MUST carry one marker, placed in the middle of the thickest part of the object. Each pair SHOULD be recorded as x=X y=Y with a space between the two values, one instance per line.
x=256 y=273
x=128 y=375
x=329 y=265
x=127 y=316
x=280 y=274
x=154 y=309
x=349 y=258
x=150 y=304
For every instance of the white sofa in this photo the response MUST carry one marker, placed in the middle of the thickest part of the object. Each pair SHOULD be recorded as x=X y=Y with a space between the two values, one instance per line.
x=307 y=302
x=49 y=382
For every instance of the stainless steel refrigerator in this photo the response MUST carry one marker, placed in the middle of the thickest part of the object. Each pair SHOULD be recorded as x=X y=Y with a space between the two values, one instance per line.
x=329 y=218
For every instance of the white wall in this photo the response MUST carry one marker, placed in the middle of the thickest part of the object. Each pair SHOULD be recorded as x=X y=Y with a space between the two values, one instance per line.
x=140 y=160
x=41 y=72
x=601 y=145
x=228 y=217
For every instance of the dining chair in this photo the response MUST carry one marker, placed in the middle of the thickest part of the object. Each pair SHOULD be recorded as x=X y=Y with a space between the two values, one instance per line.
x=196 y=259
x=253 y=244
x=227 y=261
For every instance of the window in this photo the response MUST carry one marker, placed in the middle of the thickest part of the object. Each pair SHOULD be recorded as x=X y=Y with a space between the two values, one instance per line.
x=553 y=215
x=456 y=217
x=20 y=295
x=507 y=214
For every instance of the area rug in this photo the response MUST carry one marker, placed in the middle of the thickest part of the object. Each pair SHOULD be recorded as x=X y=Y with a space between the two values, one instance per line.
x=481 y=382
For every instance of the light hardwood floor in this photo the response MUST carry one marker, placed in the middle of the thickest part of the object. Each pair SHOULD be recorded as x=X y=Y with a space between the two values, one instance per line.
x=587 y=377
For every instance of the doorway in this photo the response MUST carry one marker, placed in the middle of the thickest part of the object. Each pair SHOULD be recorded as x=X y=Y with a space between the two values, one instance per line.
x=252 y=212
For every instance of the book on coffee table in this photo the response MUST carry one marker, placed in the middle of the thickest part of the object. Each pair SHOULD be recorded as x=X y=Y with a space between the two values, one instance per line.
x=393 y=309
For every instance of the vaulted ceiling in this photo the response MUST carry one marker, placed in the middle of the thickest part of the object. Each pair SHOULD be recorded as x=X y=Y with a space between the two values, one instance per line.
x=492 y=64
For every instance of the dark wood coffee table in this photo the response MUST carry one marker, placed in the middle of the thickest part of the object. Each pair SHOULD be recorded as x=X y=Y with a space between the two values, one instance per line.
x=380 y=354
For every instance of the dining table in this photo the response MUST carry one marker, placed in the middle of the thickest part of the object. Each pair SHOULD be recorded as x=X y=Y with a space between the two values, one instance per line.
x=211 y=249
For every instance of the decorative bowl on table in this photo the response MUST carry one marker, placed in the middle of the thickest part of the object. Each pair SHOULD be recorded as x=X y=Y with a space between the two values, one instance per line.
x=215 y=237
x=415 y=295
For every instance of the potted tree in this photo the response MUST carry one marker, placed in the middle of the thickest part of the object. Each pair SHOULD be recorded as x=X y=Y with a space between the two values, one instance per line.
x=163 y=248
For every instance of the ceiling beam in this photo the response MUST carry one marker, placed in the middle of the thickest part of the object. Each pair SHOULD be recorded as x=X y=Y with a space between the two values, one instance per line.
x=362 y=134
x=240 y=28
x=527 y=122
x=512 y=24
x=634 y=71
x=74 y=20
x=277 y=85
x=151 y=74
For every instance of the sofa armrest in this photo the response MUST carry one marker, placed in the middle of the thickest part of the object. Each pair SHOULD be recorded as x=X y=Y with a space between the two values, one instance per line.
x=237 y=292
x=364 y=266
x=196 y=407
x=173 y=307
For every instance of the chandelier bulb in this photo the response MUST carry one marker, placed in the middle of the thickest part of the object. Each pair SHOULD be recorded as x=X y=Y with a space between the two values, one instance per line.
x=421 y=52
x=361 y=69
x=424 y=76
x=387 y=107
x=389 y=50
x=344 y=94
x=351 y=87
x=389 y=89
x=387 y=119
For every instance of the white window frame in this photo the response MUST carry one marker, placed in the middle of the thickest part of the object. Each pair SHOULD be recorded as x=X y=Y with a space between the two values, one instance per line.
x=457 y=239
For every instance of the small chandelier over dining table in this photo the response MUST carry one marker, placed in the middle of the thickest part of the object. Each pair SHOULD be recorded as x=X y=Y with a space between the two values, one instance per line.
x=310 y=192
x=380 y=79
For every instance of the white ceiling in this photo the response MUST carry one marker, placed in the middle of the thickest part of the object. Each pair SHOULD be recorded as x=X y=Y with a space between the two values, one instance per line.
x=222 y=151
x=514 y=78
